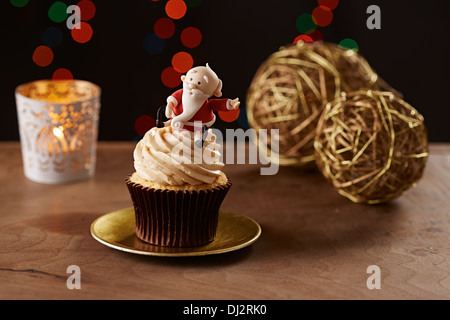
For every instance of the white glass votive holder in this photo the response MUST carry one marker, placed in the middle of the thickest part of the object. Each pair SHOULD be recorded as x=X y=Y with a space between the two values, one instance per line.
x=58 y=124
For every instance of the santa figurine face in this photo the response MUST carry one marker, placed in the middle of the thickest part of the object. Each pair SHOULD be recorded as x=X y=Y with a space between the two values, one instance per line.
x=203 y=79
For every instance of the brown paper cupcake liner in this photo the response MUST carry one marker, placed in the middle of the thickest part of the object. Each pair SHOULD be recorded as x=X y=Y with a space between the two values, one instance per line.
x=176 y=218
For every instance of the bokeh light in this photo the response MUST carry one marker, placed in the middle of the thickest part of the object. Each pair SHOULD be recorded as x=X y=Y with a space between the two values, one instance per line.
x=58 y=12
x=52 y=37
x=143 y=124
x=19 y=3
x=87 y=9
x=330 y=4
x=303 y=37
x=43 y=56
x=191 y=37
x=176 y=9
x=82 y=32
x=170 y=77
x=193 y=3
x=316 y=35
x=229 y=116
x=348 y=44
x=322 y=16
x=153 y=44
x=305 y=23
x=62 y=74
x=182 y=62
x=164 y=28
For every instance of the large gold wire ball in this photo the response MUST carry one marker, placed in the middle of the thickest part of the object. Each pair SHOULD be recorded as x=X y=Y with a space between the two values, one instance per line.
x=371 y=145
x=291 y=88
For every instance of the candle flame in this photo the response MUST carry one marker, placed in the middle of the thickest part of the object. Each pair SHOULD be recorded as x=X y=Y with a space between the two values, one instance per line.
x=58 y=132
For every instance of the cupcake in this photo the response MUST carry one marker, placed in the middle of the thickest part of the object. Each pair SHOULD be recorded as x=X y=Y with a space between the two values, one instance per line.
x=179 y=186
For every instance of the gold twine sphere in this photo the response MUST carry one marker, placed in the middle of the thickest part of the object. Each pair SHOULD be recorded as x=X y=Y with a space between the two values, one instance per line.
x=291 y=88
x=371 y=145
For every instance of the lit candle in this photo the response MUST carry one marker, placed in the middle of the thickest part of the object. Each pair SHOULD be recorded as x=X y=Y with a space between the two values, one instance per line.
x=58 y=124
x=58 y=133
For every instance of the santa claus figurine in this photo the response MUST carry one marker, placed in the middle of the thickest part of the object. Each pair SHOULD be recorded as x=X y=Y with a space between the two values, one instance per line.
x=191 y=105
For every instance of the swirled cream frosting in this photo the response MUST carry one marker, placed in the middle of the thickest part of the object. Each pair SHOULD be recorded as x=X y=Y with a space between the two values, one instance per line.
x=172 y=158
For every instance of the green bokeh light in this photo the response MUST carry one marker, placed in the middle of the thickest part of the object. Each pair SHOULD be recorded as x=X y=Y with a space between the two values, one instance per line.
x=19 y=3
x=58 y=12
x=349 y=44
x=192 y=3
x=305 y=23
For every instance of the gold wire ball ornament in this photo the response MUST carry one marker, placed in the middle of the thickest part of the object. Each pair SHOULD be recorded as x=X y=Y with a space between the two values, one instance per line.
x=371 y=145
x=291 y=88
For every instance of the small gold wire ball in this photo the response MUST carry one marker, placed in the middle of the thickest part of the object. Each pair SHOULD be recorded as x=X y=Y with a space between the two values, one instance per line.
x=371 y=145
x=291 y=88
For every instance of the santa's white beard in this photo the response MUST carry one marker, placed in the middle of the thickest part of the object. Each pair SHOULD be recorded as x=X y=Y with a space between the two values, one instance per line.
x=192 y=101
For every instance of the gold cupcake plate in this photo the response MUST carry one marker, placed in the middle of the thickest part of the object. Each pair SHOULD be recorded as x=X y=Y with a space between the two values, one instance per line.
x=117 y=230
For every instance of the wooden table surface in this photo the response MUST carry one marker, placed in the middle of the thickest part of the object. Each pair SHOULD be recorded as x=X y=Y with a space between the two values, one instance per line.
x=315 y=244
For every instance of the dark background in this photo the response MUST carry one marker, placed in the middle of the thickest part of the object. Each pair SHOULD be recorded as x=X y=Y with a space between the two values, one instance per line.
x=411 y=52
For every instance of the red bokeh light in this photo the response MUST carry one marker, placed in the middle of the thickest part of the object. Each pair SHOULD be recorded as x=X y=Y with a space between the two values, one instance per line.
x=229 y=116
x=164 y=28
x=143 y=124
x=303 y=37
x=62 y=74
x=322 y=16
x=176 y=9
x=182 y=61
x=43 y=56
x=170 y=77
x=82 y=32
x=87 y=9
x=330 y=4
x=191 y=37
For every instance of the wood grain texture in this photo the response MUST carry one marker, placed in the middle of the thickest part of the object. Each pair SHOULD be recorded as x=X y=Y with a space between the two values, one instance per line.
x=315 y=244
